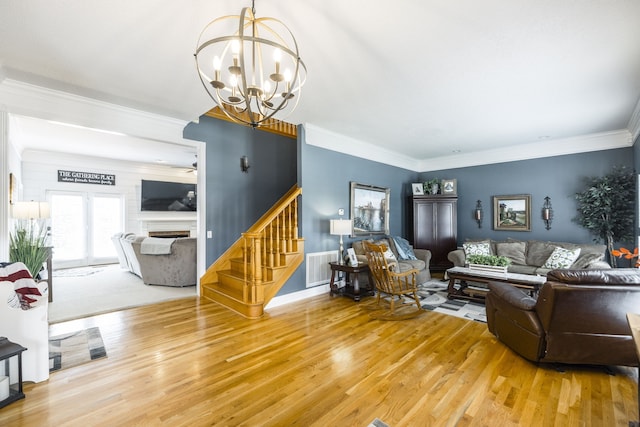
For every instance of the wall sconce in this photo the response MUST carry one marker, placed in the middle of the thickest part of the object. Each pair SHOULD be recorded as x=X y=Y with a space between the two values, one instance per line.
x=244 y=164
x=477 y=213
x=547 y=213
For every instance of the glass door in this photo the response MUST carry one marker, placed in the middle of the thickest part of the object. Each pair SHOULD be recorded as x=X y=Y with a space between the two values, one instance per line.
x=81 y=227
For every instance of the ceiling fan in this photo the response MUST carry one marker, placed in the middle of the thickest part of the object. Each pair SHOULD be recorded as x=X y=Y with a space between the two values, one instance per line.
x=194 y=167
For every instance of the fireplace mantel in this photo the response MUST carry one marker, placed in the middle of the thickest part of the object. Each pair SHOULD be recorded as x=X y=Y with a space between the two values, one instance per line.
x=168 y=224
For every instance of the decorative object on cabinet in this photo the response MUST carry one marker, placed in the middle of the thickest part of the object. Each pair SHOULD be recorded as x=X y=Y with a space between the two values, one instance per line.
x=417 y=188
x=547 y=213
x=512 y=213
x=435 y=227
x=478 y=214
x=340 y=227
x=449 y=186
x=431 y=186
x=369 y=210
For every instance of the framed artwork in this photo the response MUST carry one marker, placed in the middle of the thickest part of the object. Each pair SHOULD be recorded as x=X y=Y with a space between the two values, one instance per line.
x=512 y=213
x=449 y=186
x=369 y=209
x=417 y=188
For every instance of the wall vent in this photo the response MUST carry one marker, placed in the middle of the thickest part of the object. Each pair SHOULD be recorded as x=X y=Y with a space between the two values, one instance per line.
x=318 y=270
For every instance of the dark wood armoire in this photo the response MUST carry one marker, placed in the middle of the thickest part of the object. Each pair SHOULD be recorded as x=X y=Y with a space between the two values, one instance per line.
x=435 y=226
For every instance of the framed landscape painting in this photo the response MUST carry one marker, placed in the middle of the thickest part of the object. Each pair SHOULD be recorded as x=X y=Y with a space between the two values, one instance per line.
x=369 y=209
x=512 y=213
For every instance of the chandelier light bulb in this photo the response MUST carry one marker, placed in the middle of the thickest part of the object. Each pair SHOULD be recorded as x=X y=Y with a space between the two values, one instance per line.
x=235 y=47
x=216 y=63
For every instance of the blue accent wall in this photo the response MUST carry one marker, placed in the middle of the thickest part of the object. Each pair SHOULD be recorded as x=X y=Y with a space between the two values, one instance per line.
x=236 y=200
x=558 y=177
x=326 y=178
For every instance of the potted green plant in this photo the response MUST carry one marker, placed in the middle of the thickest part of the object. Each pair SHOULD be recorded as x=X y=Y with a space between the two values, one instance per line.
x=488 y=263
x=431 y=186
x=28 y=246
x=606 y=208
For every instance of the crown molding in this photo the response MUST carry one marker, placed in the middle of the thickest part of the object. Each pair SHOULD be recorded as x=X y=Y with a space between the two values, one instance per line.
x=323 y=138
x=634 y=122
x=537 y=150
x=49 y=104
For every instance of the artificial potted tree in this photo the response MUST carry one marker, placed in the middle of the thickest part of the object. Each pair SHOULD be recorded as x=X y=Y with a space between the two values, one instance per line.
x=606 y=208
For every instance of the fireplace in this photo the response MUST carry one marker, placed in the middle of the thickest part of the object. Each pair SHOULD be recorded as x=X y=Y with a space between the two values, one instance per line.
x=157 y=227
x=170 y=233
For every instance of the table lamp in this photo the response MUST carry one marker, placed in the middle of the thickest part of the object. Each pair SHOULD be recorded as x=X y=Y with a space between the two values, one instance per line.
x=340 y=227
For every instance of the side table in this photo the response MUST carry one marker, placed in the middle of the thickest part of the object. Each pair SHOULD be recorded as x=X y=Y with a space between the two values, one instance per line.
x=352 y=286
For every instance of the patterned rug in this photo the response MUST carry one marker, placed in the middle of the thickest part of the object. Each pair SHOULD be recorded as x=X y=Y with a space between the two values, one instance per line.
x=433 y=296
x=77 y=272
x=75 y=348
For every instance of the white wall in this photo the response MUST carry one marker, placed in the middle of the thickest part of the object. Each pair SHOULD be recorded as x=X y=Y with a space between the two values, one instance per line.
x=40 y=174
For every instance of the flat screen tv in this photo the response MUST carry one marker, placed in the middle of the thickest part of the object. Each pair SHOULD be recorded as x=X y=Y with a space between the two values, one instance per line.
x=168 y=196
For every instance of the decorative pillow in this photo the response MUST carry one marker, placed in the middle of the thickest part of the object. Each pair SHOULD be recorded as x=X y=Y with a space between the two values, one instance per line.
x=562 y=258
x=405 y=251
x=512 y=250
x=476 y=248
x=14 y=301
x=389 y=256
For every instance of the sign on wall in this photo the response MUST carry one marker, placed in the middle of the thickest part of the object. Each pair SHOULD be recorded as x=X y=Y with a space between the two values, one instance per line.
x=86 y=177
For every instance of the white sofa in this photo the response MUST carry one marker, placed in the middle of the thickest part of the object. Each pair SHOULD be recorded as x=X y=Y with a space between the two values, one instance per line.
x=29 y=328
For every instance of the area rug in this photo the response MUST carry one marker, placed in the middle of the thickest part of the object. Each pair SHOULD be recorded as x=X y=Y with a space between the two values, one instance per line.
x=75 y=348
x=433 y=296
x=77 y=272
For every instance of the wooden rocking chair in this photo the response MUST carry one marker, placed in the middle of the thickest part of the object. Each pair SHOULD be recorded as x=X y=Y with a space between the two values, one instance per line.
x=386 y=280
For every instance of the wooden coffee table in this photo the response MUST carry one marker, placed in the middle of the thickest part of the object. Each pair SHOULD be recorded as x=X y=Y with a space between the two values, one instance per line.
x=462 y=289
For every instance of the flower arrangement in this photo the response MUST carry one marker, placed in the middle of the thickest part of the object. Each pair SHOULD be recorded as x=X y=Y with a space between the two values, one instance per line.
x=627 y=254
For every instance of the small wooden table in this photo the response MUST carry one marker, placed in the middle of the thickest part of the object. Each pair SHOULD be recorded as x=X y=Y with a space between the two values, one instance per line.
x=352 y=287
x=634 y=324
x=463 y=274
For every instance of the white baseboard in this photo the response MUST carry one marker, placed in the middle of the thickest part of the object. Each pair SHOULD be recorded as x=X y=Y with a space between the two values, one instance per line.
x=297 y=296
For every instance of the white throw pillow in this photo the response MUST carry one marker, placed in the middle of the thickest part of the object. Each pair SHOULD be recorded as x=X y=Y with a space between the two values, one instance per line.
x=389 y=256
x=561 y=258
x=476 y=248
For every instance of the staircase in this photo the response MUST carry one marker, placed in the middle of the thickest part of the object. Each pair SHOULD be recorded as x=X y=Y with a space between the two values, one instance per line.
x=252 y=271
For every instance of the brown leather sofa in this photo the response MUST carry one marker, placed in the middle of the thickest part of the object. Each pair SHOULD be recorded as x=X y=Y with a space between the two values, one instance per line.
x=579 y=317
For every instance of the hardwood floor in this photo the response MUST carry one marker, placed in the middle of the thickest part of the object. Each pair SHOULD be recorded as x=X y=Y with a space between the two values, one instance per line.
x=320 y=362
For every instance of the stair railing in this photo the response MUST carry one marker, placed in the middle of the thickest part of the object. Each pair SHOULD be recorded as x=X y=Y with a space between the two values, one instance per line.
x=262 y=246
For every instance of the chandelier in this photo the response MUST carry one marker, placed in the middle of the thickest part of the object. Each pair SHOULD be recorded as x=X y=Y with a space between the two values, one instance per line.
x=250 y=67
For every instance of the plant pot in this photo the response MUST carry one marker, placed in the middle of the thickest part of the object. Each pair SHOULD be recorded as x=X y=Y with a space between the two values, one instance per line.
x=488 y=268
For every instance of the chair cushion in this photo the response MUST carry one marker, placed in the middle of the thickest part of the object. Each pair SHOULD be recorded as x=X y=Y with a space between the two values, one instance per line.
x=538 y=252
x=515 y=251
x=561 y=258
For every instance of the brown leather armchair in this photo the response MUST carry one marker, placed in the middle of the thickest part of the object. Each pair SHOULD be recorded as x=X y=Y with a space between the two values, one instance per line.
x=579 y=317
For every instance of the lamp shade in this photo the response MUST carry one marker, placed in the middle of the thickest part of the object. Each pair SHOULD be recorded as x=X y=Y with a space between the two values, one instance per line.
x=30 y=210
x=340 y=227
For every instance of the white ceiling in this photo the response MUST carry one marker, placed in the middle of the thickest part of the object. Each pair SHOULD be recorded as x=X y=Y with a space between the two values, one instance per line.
x=430 y=79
